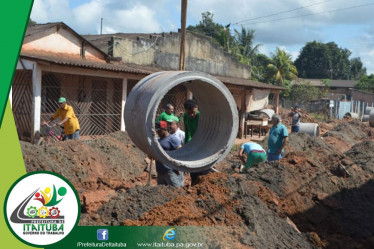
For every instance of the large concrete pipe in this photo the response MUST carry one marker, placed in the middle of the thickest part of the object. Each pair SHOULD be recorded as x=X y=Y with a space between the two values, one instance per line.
x=371 y=118
x=368 y=109
x=365 y=118
x=310 y=128
x=218 y=122
x=351 y=115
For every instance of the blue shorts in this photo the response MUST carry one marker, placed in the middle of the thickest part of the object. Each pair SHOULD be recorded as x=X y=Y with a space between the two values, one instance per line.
x=295 y=128
x=74 y=136
x=274 y=157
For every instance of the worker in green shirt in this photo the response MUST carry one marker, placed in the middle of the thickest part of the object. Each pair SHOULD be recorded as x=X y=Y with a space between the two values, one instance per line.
x=190 y=118
x=191 y=121
x=167 y=114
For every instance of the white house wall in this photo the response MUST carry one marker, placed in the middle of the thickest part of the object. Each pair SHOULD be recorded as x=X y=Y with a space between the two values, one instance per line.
x=60 y=41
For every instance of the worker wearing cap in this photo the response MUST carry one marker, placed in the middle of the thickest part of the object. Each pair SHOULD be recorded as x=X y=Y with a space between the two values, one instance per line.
x=255 y=155
x=68 y=119
x=174 y=128
x=165 y=175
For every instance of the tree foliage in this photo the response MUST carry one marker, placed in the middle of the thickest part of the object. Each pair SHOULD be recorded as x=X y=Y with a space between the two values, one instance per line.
x=313 y=61
x=357 y=68
x=211 y=29
x=319 y=60
x=303 y=93
x=258 y=68
x=31 y=22
x=281 y=68
x=241 y=44
x=366 y=83
x=316 y=60
x=244 y=44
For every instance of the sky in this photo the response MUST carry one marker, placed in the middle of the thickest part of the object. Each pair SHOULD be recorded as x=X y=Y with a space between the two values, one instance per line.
x=287 y=24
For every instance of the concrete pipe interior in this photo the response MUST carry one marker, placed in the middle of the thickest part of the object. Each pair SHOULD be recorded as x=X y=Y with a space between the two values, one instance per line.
x=218 y=121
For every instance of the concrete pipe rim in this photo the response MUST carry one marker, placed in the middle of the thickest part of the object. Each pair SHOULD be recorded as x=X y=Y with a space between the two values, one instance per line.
x=169 y=158
x=218 y=114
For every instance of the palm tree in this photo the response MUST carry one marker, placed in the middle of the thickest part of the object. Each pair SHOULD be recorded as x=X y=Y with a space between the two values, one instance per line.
x=281 y=67
x=246 y=51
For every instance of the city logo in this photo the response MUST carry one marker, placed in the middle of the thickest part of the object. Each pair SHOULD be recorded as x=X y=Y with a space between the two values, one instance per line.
x=169 y=234
x=102 y=234
x=47 y=213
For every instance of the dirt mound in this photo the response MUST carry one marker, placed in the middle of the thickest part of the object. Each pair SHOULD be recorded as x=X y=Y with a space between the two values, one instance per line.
x=304 y=142
x=219 y=200
x=316 y=192
x=362 y=155
x=314 y=182
x=96 y=168
x=316 y=189
x=346 y=134
x=131 y=204
x=286 y=119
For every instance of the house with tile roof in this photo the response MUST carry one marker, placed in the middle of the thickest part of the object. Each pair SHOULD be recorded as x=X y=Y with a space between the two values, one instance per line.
x=161 y=52
x=56 y=61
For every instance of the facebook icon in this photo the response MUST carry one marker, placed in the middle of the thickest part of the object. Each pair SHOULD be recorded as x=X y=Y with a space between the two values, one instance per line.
x=102 y=234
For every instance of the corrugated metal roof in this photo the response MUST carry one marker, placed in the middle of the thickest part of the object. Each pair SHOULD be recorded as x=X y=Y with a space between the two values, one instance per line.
x=66 y=60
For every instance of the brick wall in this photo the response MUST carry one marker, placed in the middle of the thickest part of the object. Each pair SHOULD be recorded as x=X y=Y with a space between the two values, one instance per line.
x=362 y=96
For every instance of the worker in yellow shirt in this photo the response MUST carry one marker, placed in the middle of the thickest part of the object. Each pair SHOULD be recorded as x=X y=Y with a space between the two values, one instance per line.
x=68 y=119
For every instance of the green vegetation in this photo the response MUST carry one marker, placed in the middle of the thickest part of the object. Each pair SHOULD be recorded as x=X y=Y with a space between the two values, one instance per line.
x=31 y=22
x=275 y=70
x=281 y=68
x=303 y=93
x=319 y=60
x=366 y=83
x=316 y=60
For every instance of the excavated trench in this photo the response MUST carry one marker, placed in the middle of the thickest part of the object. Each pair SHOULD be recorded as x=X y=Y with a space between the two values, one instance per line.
x=323 y=188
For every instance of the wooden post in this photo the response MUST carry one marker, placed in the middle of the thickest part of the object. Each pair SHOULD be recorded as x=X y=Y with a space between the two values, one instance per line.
x=183 y=34
x=276 y=101
x=243 y=109
x=189 y=94
x=124 y=97
x=36 y=102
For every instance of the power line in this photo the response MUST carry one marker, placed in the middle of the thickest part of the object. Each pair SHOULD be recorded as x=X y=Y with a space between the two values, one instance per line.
x=277 y=13
x=318 y=13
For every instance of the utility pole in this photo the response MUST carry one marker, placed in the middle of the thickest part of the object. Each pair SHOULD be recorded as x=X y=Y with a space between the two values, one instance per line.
x=228 y=37
x=101 y=27
x=183 y=34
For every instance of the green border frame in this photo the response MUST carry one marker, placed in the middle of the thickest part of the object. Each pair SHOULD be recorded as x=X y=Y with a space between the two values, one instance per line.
x=36 y=173
x=13 y=22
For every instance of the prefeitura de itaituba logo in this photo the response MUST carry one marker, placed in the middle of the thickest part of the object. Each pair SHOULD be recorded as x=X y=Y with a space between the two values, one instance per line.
x=43 y=218
x=49 y=211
